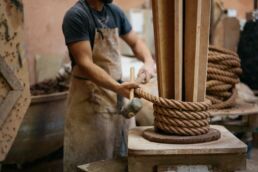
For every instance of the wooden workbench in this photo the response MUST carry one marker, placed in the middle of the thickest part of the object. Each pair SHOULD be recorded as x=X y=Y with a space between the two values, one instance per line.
x=241 y=108
x=226 y=154
x=248 y=112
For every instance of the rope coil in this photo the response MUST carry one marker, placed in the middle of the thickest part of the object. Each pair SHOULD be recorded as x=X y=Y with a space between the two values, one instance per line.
x=178 y=117
x=224 y=69
x=192 y=118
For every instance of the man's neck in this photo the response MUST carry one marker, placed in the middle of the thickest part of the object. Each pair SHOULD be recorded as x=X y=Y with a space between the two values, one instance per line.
x=95 y=4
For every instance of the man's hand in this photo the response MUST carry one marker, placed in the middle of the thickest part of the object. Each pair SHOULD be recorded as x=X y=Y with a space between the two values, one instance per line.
x=142 y=53
x=124 y=88
x=147 y=72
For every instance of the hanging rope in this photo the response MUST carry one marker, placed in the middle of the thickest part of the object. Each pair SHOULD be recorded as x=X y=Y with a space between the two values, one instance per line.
x=224 y=69
x=192 y=118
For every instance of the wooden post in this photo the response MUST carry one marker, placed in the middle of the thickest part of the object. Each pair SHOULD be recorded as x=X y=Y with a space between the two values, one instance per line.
x=204 y=48
x=196 y=36
x=168 y=17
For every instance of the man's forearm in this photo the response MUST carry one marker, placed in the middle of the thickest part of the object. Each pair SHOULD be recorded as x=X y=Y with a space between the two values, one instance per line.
x=82 y=53
x=142 y=52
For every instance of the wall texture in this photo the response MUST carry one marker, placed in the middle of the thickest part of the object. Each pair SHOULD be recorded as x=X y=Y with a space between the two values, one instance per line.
x=43 y=20
x=242 y=6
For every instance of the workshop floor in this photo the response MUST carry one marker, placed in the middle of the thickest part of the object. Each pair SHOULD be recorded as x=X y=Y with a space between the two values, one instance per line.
x=54 y=164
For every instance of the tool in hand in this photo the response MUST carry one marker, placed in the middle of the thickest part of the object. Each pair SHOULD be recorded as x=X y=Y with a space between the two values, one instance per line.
x=135 y=104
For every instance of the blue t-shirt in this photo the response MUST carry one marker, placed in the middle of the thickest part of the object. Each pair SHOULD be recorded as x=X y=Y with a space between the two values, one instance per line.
x=79 y=25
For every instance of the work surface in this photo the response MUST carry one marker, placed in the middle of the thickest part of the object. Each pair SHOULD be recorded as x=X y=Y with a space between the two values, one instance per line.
x=241 y=108
x=227 y=144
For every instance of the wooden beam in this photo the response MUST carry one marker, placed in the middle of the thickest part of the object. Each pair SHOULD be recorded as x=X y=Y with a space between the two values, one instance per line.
x=168 y=28
x=204 y=48
x=192 y=48
x=196 y=36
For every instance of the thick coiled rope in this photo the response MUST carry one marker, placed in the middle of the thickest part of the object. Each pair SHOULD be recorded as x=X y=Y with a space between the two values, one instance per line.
x=224 y=69
x=192 y=118
x=178 y=117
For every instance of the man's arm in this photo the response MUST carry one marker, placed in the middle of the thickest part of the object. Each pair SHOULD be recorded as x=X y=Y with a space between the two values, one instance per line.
x=82 y=54
x=141 y=51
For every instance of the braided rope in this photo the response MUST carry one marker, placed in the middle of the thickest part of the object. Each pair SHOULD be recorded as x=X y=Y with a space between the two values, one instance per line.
x=223 y=74
x=178 y=117
x=192 y=118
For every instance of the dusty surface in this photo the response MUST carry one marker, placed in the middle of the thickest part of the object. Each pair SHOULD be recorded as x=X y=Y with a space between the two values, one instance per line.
x=54 y=164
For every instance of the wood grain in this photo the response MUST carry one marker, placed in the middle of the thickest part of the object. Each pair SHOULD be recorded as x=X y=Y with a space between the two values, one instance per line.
x=192 y=48
x=14 y=83
x=204 y=45
x=196 y=41
x=167 y=16
x=227 y=144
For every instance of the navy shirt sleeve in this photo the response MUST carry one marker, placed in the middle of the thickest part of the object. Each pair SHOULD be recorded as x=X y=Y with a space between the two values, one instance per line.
x=124 y=24
x=75 y=27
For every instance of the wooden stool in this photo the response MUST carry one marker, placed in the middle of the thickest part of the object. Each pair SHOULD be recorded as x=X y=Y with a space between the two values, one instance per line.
x=227 y=154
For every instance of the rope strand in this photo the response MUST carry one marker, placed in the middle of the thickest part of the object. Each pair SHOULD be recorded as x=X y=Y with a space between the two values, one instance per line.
x=192 y=118
x=224 y=69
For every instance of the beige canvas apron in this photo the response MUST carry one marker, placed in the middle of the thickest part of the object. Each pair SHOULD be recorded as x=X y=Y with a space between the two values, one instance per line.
x=93 y=128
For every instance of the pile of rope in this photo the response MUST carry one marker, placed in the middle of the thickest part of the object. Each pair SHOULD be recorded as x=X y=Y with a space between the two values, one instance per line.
x=224 y=69
x=192 y=118
x=178 y=117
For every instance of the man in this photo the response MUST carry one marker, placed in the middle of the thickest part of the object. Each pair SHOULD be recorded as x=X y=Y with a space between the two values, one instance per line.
x=94 y=130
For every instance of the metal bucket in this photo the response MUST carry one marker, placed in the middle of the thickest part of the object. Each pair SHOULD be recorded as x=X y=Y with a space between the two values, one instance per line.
x=42 y=129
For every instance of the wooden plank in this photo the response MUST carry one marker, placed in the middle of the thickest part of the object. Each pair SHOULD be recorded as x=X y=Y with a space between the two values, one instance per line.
x=7 y=105
x=192 y=48
x=9 y=75
x=231 y=35
x=167 y=16
x=240 y=108
x=118 y=165
x=217 y=163
x=226 y=154
x=184 y=168
x=196 y=41
x=204 y=46
x=227 y=144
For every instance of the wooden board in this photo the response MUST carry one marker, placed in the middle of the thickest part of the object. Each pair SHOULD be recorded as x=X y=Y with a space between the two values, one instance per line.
x=227 y=144
x=168 y=28
x=226 y=154
x=13 y=94
x=204 y=45
x=192 y=33
x=231 y=33
x=118 y=165
x=240 y=108
x=155 y=136
x=196 y=36
x=14 y=84
x=216 y=163
x=225 y=31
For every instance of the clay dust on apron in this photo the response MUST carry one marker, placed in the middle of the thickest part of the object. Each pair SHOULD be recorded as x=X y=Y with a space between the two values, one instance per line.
x=93 y=128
